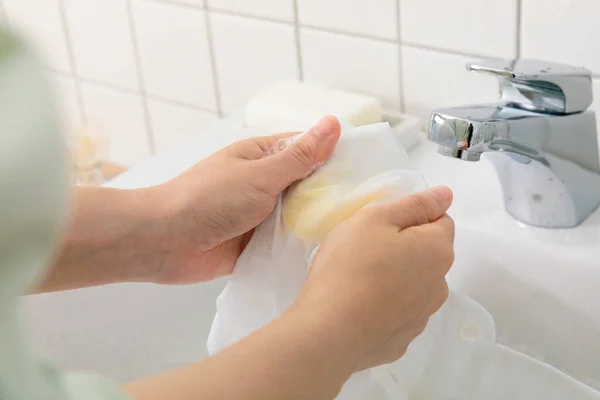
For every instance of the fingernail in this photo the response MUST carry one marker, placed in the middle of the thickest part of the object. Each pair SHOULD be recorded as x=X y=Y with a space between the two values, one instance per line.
x=325 y=127
x=443 y=193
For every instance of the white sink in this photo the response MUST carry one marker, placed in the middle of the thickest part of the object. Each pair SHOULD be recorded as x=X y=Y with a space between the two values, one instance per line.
x=541 y=286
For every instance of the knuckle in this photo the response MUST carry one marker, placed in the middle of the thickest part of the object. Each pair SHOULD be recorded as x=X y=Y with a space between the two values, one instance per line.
x=447 y=255
x=373 y=212
x=444 y=292
x=420 y=209
x=303 y=153
x=401 y=353
x=440 y=298
x=395 y=352
x=420 y=328
x=451 y=224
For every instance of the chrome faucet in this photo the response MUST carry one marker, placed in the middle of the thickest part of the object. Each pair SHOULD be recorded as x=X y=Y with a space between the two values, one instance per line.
x=540 y=137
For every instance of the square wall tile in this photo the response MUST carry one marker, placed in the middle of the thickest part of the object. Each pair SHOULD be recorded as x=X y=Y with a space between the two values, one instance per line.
x=251 y=55
x=172 y=123
x=433 y=79
x=174 y=52
x=355 y=64
x=102 y=41
x=42 y=22
x=276 y=9
x=120 y=116
x=68 y=102
x=562 y=31
x=350 y=16
x=484 y=27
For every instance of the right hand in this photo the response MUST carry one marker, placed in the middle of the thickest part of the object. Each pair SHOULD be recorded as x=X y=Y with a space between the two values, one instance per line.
x=380 y=275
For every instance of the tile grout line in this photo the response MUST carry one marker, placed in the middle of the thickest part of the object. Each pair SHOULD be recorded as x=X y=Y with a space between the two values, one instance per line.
x=141 y=80
x=183 y=105
x=518 y=27
x=297 y=37
x=213 y=63
x=400 y=57
x=442 y=50
x=124 y=90
x=177 y=4
x=177 y=102
x=300 y=25
x=71 y=54
x=224 y=11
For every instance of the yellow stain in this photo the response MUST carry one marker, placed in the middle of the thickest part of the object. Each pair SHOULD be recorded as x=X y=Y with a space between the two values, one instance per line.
x=316 y=205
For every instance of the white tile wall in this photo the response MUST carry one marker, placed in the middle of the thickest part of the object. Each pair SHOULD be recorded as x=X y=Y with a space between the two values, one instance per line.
x=174 y=53
x=373 y=18
x=102 y=42
x=562 y=31
x=274 y=9
x=172 y=122
x=432 y=79
x=251 y=55
x=198 y=3
x=120 y=116
x=484 y=27
x=152 y=71
x=352 y=63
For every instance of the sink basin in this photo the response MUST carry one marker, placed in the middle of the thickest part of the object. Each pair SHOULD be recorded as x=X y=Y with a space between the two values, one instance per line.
x=541 y=286
x=545 y=303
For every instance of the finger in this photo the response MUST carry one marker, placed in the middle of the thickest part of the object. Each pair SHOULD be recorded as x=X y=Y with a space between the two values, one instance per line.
x=276 y=141
x=437 y=243
x=419 y=208
x=256 y=148
x=440 y=295
x=304 y=153
x=445 y=224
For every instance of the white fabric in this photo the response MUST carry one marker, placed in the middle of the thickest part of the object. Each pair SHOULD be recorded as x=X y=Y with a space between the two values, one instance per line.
x=456 y=357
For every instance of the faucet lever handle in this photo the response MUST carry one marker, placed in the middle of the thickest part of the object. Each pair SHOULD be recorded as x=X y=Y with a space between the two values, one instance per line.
x=540 y=86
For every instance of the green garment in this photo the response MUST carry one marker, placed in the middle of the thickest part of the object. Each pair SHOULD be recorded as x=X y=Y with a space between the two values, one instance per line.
x=33 y=204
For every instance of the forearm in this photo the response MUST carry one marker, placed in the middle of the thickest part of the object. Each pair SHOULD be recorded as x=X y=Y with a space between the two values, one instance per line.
x=295 y=357
x=109 y=240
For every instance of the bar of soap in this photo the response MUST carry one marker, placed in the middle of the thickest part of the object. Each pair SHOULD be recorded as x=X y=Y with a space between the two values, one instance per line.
x=296 y=106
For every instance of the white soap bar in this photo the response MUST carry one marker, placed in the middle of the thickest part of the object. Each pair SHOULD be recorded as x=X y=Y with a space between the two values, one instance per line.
x=296 y=106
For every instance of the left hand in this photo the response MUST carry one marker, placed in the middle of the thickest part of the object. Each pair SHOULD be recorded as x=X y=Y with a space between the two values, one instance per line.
x=211 y=210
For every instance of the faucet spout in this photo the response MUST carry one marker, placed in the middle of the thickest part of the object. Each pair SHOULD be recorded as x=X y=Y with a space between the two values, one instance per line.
x=465 y=155
x=541 y=140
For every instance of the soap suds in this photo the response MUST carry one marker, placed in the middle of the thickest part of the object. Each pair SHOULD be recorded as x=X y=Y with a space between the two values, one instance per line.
x=279 y=145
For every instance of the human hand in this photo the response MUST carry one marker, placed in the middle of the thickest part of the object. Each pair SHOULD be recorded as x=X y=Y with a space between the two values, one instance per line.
x=380 y=275
x=209 y=212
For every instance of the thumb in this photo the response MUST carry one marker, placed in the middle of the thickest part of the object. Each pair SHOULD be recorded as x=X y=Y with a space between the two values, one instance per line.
x=305 y=153
x=419 y=208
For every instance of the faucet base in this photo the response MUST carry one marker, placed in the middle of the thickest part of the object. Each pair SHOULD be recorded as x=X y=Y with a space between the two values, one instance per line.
x=537 y=195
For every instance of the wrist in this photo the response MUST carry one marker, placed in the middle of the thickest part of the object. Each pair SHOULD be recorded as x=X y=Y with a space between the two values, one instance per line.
x=107 y=241
x=348 y=332
x=331 y=341
x=150 y=237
